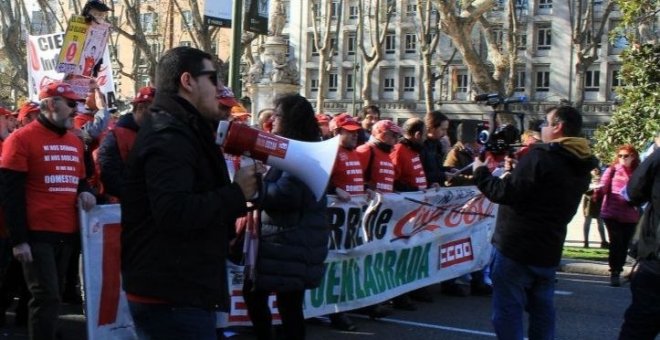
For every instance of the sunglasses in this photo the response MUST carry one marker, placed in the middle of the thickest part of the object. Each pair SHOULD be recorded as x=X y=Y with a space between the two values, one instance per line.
x=212 y=73
x=624 y=156
x=70 y=103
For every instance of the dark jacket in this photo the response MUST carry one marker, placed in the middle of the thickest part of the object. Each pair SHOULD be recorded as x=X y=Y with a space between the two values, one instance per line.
x=178 y=207
x=538 y=200
x=433 y=158
x=294 y=235
x=644 y=186
x=110 y=161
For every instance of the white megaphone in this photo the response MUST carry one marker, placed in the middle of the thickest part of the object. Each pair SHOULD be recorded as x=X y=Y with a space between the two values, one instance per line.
x=310 y=162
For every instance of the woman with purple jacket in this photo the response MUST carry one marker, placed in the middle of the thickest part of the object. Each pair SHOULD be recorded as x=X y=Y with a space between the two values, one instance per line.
x=620 y=217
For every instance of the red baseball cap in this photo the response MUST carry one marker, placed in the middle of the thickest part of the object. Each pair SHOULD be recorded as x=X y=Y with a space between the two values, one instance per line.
x=226 y=97
x=59 y=89
x=5 y=112
x=382 y=126
x=27 y=108
x=144 y=95
x=344 y=121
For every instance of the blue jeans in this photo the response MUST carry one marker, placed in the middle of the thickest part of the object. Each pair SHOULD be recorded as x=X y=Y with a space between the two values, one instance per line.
x=642 y=318
x=162 y=321
x=518 y=288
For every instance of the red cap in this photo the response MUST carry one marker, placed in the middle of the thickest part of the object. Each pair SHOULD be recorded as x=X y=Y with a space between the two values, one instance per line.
x=383 y=126
x=59 y=89
x=322 y=118
x=226 y=97
x=27 y=108
x=5 y=112
x=344 y=121
x=144 y=95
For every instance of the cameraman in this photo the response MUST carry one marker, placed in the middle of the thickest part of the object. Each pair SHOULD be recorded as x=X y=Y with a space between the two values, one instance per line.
x=537 y=201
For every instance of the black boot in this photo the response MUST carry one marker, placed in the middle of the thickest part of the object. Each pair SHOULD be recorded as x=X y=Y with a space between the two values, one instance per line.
x=342 y=322
x=615 y=279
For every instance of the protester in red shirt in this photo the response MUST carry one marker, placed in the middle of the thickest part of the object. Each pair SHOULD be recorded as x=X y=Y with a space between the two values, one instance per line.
x=408 y=171
x=375 y=156
x=347 y=178
x=42 y=165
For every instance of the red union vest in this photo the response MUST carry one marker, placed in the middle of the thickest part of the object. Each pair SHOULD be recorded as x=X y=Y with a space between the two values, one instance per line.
x=125 y=140
x=377 y=168
x=347 y=173
x=408 y=168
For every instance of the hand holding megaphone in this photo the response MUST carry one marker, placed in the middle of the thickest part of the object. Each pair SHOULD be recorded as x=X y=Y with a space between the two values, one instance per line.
x=310 y=162
x=248 y=179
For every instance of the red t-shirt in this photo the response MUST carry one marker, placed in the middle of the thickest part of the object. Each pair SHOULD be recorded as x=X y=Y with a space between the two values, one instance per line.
x=54 y=165
x=408 y=168
x=381 y=170
x=347 y=173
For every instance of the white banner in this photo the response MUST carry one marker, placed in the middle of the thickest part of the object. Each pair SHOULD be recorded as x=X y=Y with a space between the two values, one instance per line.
x=378 y=250
x=42 y=55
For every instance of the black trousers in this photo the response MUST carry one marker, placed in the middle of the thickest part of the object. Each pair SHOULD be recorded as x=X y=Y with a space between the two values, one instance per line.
x=620 y=236
x=289 y=305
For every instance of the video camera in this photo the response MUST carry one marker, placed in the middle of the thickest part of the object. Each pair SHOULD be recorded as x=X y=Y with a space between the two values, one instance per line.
x=499 y=139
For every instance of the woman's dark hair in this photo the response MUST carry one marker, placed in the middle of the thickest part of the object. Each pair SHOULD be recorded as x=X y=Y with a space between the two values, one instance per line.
x=174 y=63
x=298 y=120
x=433 y=119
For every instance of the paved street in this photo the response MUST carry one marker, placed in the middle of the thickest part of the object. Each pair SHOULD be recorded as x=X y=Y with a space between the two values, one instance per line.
x=587 y=308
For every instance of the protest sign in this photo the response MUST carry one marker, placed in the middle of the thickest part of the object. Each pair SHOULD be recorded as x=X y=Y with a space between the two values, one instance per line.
x=83 y=46
x=378 y=250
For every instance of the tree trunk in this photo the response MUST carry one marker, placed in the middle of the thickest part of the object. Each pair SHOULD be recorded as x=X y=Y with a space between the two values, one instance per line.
x=320 y=94
x=428 y=79
x=580 y=69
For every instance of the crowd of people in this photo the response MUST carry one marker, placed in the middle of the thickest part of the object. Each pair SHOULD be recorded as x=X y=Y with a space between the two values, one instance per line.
x=185 y=205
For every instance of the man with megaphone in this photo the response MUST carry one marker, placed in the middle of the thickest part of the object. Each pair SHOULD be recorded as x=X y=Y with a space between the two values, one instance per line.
x=178 y=205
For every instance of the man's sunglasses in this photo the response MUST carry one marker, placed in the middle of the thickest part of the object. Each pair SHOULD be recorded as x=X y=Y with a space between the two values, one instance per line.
x=70 y=103
x=212 y=73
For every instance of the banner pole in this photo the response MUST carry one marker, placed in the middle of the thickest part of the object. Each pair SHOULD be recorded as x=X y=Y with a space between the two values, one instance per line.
x=235 y=59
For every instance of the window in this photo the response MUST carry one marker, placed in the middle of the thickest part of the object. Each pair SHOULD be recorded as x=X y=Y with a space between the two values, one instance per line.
x=544 y=37
x=334 y=10
x=352 y=12
x=521 y=41
x=616 y=78
x=462 y=82
x=391 y=5
x=545 y=4
x=313 y=85
x=351 y=44
x=542 y=81
x=591 y=80
x=411 y=10
x=520 y=81
x=409 y=84
x=390 y=44
x=186 y=20
x=411 y=42
x=349 y=81
x=334 y=46
x=388 y=85
x=521 y=4
x=332 y=82
x=149 y=22
x=497 y=35
x=315 y=51
x=316 y=12
x=156 y=48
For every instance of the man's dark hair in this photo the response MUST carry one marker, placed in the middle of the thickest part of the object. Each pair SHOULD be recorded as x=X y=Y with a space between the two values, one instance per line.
x=373 y=108
x=298 y=120
x=571 y=118
x=413 y=125
x=433 y=119
x=174 y=63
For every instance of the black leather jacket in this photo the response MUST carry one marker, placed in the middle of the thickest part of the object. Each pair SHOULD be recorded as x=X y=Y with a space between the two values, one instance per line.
x=178 y=208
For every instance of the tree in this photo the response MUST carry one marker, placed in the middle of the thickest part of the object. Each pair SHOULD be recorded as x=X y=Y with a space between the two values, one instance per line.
x=324 y=44
x=377 y=25
x=14 y=17
x=586 y=35
x=637 y=118
x=458 y=21
x=428 y=38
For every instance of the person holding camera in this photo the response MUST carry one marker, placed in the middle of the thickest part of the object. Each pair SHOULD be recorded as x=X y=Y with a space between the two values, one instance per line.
x=537 y=201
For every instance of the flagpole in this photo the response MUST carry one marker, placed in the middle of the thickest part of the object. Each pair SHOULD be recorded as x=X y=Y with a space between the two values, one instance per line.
x=235 y=59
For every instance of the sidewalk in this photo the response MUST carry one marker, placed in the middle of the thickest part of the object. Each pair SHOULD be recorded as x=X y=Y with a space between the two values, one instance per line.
x=575 y=238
